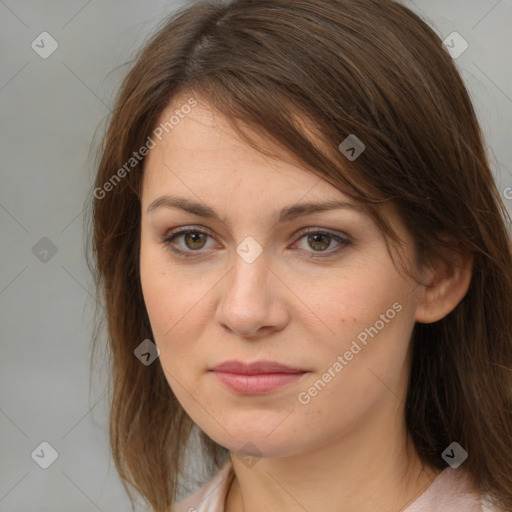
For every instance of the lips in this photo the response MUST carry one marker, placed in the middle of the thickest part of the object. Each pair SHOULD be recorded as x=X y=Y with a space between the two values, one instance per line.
x=258 y=367
x=256 y=378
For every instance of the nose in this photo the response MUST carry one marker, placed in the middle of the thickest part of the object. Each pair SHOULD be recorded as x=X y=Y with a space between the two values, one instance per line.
x=252 y=304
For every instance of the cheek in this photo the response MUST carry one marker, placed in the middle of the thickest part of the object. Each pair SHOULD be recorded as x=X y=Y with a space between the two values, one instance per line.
x=154 y=283
x=168 y=294
x=367 y=321
x=356 y=379
x=171 y=318
x=349 y=302
x=177 y=306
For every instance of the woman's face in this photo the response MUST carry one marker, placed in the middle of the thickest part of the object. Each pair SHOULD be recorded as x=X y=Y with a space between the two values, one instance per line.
x=314 y=290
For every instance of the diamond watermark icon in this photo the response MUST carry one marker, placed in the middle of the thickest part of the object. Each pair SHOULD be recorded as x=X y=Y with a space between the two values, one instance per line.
x=454 y=455
x=351 y=147
x=45 y=455
x=44 y=45
x=455 y=44
x=147 y=352
x=249 y=249
x=44 y=250
x=249 y=460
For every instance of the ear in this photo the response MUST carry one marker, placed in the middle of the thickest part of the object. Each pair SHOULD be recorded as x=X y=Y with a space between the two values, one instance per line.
x=446 y=283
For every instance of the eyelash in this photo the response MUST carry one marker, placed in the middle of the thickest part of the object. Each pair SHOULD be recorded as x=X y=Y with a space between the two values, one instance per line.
x=172 y=235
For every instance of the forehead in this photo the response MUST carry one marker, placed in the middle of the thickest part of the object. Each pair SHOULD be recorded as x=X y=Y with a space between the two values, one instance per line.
x=202 y=152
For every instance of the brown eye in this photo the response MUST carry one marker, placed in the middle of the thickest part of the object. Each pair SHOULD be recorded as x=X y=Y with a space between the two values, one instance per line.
x=194 y=240
x=320 y=241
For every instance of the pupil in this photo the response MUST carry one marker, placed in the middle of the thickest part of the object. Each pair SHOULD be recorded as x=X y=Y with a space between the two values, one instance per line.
x=195 y=237
x=314 y=242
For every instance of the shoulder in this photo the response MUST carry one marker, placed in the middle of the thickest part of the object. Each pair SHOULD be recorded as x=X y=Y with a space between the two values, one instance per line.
x=211 y=496
x=452 y=491
x=488 y=505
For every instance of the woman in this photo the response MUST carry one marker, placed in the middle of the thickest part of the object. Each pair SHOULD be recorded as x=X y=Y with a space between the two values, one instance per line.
x=304 y=258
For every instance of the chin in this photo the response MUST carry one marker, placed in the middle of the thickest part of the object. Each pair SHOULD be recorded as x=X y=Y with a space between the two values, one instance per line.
x=259 y=442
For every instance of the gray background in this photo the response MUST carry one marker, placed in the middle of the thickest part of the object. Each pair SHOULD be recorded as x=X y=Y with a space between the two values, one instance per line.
x=52 y=112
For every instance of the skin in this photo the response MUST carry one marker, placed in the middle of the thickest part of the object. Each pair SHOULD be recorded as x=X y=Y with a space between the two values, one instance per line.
x=347 y=449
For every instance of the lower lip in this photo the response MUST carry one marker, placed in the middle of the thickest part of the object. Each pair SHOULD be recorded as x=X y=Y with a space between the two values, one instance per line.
x=257 y=384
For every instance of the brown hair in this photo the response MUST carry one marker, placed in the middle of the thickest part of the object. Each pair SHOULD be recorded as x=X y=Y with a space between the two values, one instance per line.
x=334 y=68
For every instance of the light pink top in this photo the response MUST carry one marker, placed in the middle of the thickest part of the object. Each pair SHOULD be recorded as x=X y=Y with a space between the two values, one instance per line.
x=449 y=492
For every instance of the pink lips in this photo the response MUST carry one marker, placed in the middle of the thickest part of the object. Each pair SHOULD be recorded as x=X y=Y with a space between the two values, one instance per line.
x=256 y=378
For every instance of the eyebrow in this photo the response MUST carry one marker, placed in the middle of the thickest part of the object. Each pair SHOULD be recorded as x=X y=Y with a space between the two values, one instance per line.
x=288 y=213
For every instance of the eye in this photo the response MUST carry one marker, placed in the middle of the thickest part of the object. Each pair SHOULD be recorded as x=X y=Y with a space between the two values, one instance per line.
x=320 y=241
x=194 y=240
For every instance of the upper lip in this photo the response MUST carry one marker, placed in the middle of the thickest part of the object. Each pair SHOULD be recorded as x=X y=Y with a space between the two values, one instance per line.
x=255 y=367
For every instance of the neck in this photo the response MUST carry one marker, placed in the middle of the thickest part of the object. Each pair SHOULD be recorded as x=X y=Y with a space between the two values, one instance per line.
x=366 y=469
